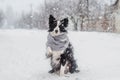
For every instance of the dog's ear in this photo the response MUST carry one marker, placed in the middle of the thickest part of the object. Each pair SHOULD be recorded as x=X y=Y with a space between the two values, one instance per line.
x=51 y=19
x=52 y=23
x=65 y=22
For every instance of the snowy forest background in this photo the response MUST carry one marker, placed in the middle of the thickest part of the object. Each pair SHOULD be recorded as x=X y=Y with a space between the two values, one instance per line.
x=84 y=15
x=23 y=38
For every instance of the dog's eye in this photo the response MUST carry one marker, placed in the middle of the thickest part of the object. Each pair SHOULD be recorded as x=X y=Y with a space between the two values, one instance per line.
x=63 y=30
x=61 y=25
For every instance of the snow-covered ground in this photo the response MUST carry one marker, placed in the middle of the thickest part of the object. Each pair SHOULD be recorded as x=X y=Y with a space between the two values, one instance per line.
x=22 y=56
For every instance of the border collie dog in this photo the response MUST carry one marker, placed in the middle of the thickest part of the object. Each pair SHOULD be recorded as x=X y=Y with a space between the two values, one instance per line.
x=59 y=48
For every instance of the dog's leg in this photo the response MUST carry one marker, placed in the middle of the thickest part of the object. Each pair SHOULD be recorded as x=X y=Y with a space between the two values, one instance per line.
x=62 y=69
x=74 y=67
x=49 y=52
x=55 y=62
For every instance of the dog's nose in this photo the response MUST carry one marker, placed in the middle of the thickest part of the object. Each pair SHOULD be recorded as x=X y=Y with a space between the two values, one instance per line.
x=56 y=31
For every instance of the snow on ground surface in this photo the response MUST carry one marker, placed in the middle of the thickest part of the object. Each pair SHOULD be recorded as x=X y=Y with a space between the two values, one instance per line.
x=22 y=56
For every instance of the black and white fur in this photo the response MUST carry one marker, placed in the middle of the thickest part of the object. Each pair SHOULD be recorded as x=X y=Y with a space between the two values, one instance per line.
x=61 y=61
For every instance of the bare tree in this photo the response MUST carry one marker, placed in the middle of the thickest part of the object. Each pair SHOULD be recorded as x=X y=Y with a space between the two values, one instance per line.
x=117 y=15
x=2 y=17
x=116 y=4
x=85 y=15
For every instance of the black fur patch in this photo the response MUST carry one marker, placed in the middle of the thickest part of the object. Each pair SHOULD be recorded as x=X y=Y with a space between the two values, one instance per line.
x=52 y=23
x=68 y=56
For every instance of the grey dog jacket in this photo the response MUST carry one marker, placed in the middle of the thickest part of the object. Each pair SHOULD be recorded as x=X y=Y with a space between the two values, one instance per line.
x=57 y=43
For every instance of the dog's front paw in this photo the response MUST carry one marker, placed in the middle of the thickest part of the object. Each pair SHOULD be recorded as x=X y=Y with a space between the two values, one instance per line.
x=49 y=52
x=48 y=55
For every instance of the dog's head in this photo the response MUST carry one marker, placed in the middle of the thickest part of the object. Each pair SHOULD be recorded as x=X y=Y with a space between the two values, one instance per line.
x=57 y=27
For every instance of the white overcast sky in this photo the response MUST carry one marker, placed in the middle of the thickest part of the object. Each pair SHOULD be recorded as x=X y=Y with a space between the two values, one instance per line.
x=20 y=5
x=24 y=5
